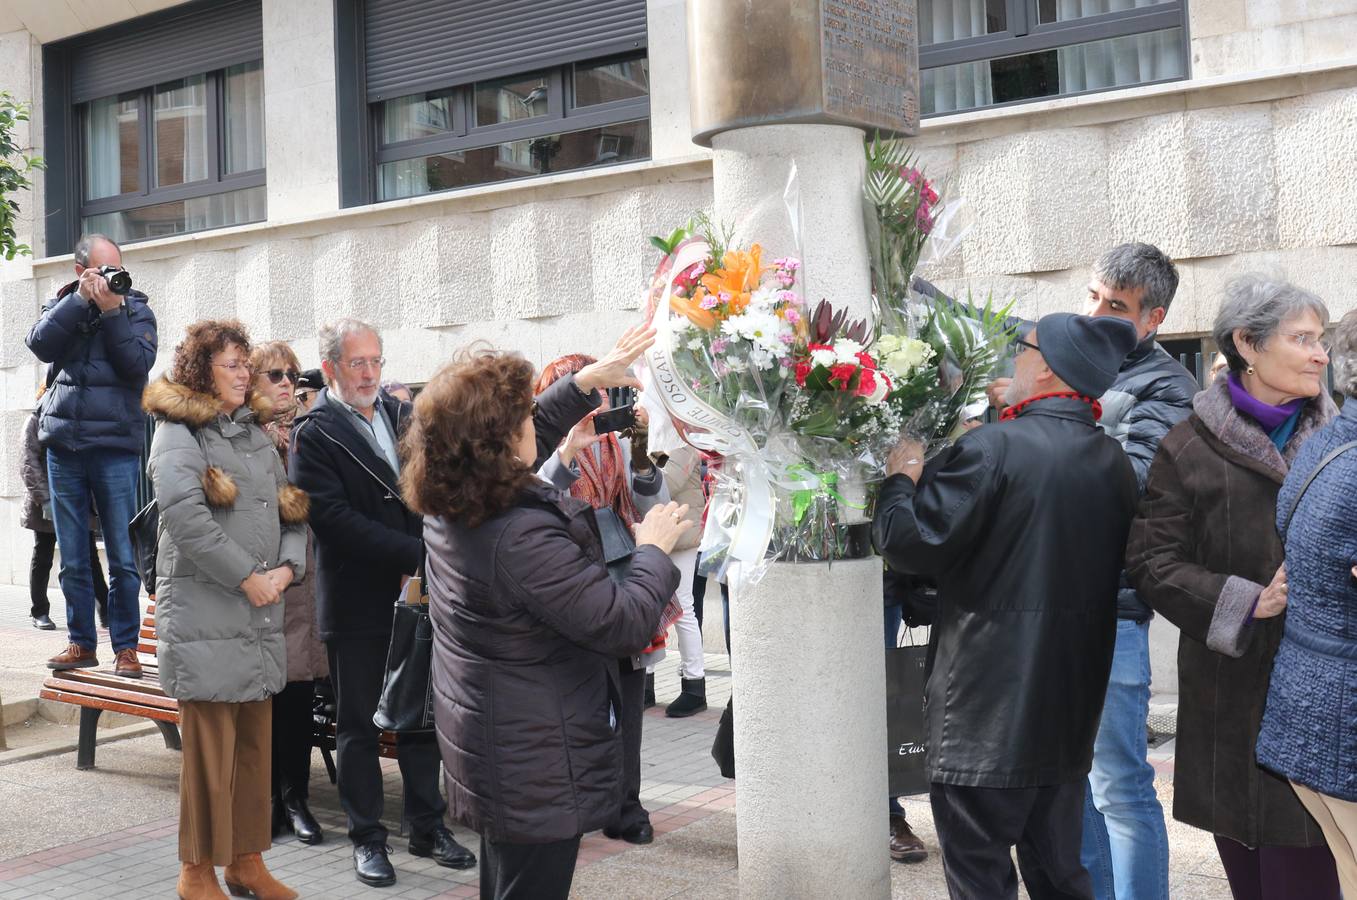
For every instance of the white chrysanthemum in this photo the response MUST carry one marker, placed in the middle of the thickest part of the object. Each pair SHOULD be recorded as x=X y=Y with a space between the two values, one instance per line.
x=824 y=358
x=846 y=351
x=759 y=327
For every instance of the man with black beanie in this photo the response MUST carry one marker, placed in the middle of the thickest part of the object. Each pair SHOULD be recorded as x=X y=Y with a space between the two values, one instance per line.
x=1023 y=526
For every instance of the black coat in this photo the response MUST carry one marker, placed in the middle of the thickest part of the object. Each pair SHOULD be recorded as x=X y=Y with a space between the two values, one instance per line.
x=1023 y=525
x=528 y=626
x=95 y=401
x=366 y=538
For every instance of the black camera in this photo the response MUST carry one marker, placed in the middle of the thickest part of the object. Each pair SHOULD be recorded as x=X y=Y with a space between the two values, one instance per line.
x=119 y=281
x=621 y=412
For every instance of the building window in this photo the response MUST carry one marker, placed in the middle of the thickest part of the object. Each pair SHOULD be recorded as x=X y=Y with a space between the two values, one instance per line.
x=576 y=116
x=977 y=53
x=186 y=155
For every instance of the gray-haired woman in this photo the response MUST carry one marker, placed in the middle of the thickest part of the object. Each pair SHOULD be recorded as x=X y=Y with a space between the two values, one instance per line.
x=1309 y=733
x=1204 y=553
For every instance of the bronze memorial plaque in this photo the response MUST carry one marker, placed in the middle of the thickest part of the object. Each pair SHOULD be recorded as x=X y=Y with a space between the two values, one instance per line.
x=870 y=62
x=782 y=62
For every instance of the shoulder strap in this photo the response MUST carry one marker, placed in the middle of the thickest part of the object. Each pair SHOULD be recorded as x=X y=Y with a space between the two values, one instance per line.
x=1295 y=502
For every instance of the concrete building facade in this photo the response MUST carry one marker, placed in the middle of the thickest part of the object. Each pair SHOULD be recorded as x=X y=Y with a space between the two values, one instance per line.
x=1245 y=162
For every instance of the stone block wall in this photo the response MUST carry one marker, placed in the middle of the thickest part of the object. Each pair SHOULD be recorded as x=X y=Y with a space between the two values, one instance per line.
x=1233 y=37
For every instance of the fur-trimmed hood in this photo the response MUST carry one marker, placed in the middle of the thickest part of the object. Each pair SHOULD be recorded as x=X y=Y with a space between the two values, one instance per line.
x=1244 y=436
x=176 y=403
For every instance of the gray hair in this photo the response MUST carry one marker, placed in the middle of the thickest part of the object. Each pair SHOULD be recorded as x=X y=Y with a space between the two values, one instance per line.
x=1136 y=265
x=1345 y=355
x=331 y=336
x=86 y=244
x=1257 y=305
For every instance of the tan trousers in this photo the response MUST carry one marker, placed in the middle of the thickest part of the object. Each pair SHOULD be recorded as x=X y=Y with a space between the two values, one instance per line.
x=224 y=802
x=1338 y=820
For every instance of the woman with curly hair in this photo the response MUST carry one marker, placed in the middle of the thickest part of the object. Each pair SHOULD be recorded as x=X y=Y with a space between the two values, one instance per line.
x=528 y=626
x=232 y=539
x=277 y=372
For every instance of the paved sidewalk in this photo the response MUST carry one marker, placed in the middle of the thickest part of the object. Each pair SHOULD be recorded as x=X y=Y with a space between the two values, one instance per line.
x=113 y=831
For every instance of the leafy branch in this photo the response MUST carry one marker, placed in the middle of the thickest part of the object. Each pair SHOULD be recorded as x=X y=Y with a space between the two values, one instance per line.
x=15 y=168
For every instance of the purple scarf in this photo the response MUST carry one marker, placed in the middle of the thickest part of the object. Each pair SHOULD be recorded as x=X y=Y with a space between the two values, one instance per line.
x=1265 y=414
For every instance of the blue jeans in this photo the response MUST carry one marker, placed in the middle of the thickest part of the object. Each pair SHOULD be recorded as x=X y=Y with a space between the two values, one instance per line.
x=1126 y=847
x=110 y=477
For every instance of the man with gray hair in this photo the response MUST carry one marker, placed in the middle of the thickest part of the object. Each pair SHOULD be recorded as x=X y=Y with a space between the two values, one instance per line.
x=98 y=337
x=344 y=455
x=1126 y=849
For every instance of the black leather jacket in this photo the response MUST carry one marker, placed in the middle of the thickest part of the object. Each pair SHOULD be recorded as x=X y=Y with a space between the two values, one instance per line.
x=1023 y=524
x=1152 y=393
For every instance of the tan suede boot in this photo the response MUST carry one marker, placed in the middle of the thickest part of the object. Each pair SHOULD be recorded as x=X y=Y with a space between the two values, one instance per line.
x=198 y=882
x=247 y=877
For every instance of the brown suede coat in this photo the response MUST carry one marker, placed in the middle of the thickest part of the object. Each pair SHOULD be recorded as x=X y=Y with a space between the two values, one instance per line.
x=1203 y=546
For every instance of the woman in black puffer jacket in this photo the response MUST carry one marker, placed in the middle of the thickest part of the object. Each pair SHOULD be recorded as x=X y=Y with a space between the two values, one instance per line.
x=528 y=626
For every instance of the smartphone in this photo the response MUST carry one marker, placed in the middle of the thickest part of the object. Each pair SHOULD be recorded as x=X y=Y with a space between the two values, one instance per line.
x=621 y=412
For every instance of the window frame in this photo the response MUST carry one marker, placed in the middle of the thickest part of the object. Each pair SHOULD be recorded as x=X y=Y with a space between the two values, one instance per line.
x=563 y=116
x=216 y=183
x=1026 y=34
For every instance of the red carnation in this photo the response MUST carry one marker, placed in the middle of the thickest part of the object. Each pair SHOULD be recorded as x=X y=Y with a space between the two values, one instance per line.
x=842 y=373
x=866 y=383
x=866 y=360
x=802 y=370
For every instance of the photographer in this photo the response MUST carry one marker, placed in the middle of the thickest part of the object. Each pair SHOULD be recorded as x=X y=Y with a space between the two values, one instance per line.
x=99 y=338
x=608 y=470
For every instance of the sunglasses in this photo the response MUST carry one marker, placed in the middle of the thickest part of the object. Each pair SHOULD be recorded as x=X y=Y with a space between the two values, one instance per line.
x=276 y=376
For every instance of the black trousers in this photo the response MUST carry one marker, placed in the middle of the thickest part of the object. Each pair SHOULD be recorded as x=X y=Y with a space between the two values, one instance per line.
x=978 y=827
x=631 y=814
x=292 y=729
x=528 y=871
x=40 y=574
x=357 y=667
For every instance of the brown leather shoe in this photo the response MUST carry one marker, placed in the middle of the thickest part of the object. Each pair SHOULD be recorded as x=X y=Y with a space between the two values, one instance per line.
x=247 y=877
x=905 y=845
x=128 y=666
x=198 y=881
x=73 y=657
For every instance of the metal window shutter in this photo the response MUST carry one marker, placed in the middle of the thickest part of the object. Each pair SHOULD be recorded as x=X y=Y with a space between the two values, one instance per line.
x=184 y=40
x=421 y=45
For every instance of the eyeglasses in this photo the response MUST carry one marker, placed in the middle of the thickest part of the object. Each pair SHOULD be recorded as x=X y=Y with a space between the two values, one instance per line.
x=375 y=362
x=1027 y=344
x=276 y=376
x=234 y=366
x=1308 y=341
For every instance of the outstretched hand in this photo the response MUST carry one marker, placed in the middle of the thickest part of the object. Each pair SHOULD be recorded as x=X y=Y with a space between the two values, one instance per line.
x=613 y=370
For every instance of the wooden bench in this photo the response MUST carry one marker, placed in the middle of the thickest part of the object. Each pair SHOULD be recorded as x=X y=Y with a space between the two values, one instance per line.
x=98 y=689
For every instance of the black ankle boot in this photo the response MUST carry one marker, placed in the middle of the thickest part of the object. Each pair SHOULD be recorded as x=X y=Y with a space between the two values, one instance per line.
x=693 y=699
x=650 y=691
x=300 y=820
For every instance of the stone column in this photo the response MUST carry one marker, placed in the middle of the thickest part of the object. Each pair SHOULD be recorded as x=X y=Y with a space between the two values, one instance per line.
x=799 y=83
x=299 y=108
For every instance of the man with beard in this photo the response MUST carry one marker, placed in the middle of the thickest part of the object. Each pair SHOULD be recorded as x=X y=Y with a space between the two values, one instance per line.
x=1023 y=525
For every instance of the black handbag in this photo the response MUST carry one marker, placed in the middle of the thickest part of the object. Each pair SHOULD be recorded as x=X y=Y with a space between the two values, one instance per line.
x=618 y=543
x=906 y=669
x=406 y=704
x=144 y=531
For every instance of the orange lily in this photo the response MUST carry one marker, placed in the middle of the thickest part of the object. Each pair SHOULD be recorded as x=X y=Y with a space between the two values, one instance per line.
x=702 y=318
x=738 y=277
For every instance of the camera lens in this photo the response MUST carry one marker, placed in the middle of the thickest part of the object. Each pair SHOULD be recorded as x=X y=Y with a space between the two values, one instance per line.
x=119 y=282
